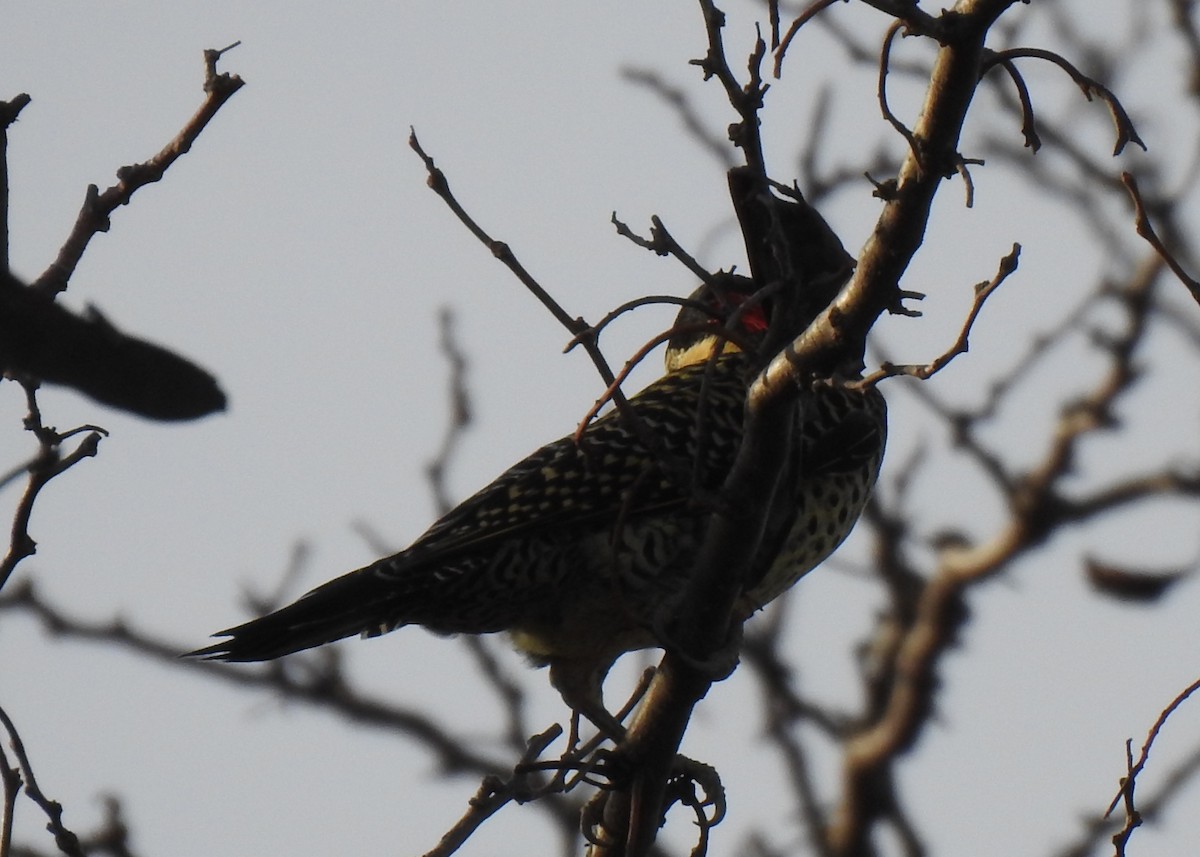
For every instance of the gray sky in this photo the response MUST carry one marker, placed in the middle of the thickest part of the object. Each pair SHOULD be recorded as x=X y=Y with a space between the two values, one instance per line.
x=298 y=254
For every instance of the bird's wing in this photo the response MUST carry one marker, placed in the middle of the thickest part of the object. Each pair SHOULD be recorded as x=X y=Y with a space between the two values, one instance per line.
x=557 y=492
x=608 y=475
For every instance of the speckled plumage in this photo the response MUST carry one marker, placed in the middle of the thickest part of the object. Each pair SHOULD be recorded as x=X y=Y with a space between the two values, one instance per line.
x=577 y=549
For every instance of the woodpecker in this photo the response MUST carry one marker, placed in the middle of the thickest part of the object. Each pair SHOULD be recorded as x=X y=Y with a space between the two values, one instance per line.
x=577 y=550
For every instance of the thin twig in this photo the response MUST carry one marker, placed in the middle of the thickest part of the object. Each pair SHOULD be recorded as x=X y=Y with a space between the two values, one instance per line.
x=48 y=463
x=10 y=777
x=884 y=61
x=662 y=243
x=780 y=47
x=67 y=842
x=678 y=100
x=1123 y=125
x=1028 y=123
x=579 y=329
x=97 y=207
x=1134 y=769
x=983 y=290
x=493 y=795
x=646 y=300
x=746 y=99
x=582 y=333
x=299 y=679
x=1146 y=229
x=9 y=111
x=460 y=411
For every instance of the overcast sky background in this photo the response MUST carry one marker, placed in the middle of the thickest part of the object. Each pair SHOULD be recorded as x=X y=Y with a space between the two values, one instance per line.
x=297 y=253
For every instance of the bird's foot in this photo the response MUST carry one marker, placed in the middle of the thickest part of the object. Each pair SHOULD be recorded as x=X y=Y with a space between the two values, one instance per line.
x=697 y=785
x=691 y=783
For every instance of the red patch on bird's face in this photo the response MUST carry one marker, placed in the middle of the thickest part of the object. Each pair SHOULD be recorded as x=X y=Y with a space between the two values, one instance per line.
x=753 y=319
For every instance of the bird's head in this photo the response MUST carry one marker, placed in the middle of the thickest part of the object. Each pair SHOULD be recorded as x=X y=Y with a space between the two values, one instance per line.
x=720 y=316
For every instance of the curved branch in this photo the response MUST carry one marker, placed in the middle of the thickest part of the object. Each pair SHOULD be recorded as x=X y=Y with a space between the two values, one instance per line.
x=1123 y=125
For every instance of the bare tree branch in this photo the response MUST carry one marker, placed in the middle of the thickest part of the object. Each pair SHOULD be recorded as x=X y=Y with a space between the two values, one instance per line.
x=98 y=207
x=67 y=842
x=49 y=463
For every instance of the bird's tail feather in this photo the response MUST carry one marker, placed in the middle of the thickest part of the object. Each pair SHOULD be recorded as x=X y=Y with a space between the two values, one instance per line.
x=328 y=613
